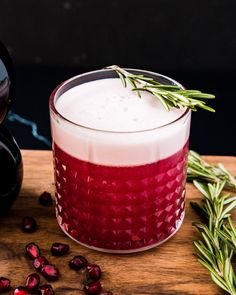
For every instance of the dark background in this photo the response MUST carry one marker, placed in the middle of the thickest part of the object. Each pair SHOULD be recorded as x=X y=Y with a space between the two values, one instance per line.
x=194 y=42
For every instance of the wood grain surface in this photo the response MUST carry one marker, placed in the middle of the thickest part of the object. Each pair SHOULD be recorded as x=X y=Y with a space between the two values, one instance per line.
x=169 y=269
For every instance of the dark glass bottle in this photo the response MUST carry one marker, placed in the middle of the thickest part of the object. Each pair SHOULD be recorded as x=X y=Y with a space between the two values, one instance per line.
x=11 y=171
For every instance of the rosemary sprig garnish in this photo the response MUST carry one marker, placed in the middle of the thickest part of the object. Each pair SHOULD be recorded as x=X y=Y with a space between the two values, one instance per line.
x=169 y=95
x=200 y=170
x=216 y=248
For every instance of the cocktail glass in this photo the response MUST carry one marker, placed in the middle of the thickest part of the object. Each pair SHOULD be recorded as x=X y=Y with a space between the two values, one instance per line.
x=119 y=192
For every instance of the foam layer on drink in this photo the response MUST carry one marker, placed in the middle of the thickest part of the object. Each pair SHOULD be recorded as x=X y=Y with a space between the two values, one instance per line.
x=129 y=130
x=107 y=105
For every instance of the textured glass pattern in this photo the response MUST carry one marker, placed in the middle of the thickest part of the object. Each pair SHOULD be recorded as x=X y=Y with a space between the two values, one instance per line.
x=120 y=208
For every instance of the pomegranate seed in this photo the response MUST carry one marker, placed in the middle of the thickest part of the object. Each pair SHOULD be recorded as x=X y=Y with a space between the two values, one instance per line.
x=29 y=224
x=93 y=288
x=39 y=262
x=45 y=199
x=59 y=249
x=32 y=250
x=50 y=272
x=78 y=262
x=21 y=291
x=46 y=290
x=5 y=284
x=32 y=282
x=93 y=271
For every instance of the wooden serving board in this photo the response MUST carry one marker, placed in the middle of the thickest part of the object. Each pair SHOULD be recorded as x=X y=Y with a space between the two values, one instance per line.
x=169 y=269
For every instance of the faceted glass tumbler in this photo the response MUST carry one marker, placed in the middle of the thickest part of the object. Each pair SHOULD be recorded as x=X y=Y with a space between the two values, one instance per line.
x=123 y=208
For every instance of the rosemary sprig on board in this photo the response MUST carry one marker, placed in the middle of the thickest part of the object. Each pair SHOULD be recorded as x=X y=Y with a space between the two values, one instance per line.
x=200 y=170
x=218 y=236
x=169 y=95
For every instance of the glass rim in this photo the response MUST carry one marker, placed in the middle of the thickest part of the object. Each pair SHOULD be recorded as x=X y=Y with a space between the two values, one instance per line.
x=53 y=96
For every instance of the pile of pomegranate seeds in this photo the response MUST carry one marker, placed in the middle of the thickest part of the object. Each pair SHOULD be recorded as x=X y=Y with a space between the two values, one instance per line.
x=45 y=199
x=29 y=224
x=5 y=285
x=41 y=264
x=92 y=285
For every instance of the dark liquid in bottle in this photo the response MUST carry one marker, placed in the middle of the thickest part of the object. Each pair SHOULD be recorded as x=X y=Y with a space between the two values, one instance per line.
x=11 y=171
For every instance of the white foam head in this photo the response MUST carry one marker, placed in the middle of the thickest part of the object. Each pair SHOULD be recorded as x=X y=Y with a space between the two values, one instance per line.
x=129 y=130
x=107 y=105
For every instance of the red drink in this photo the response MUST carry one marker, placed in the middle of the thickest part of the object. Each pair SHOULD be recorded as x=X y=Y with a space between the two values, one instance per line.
x=126 y=193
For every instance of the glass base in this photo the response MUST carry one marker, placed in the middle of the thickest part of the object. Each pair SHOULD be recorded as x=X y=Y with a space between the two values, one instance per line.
x=125 y=251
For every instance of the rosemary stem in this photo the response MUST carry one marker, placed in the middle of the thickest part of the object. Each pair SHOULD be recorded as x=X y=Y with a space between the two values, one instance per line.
x=170 y=96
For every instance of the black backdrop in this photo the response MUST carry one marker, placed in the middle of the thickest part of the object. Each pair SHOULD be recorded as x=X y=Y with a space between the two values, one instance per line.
x=194 y=42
